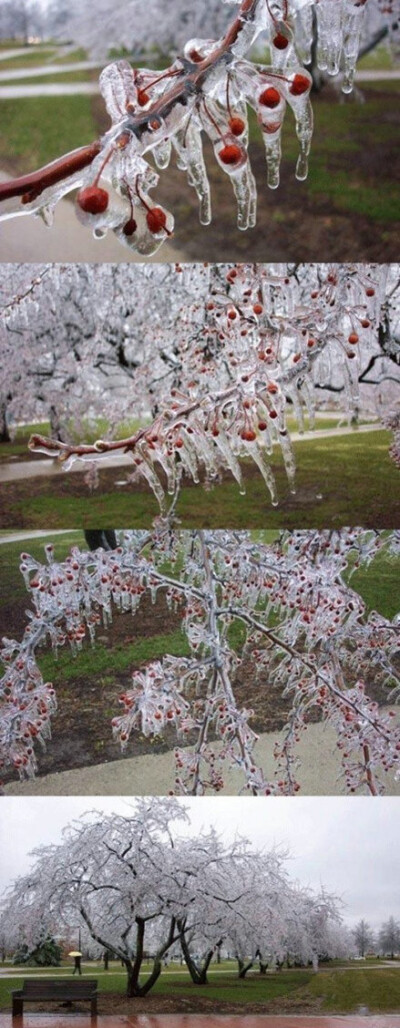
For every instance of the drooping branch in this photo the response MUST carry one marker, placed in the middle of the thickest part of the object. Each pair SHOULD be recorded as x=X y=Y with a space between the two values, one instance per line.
x=207 y=90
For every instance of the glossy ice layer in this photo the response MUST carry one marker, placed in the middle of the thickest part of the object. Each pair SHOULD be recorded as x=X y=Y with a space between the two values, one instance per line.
x=202 y=1021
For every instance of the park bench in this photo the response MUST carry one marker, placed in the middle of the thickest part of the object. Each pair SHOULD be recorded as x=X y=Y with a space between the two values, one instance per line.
x=61 y=990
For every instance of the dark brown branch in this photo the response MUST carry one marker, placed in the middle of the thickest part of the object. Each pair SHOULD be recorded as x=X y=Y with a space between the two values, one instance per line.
x=31 y=186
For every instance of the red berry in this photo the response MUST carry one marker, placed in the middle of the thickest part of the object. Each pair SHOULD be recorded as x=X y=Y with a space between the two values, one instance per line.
x=258 y=308
x=93 y=200
x=156 y=219
x=370 y=291
x=143 y=97
x=130 y=227
x=231 y=154
x=270 y=97
x=237 y=126
x=299 y=85
x=280 y=41
x=353 y=338
x=262 y=425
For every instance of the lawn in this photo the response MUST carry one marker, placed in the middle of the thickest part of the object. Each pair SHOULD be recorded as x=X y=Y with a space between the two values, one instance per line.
x=338 y=991
x=33 y=132
x=348 y=480
x=377 y=989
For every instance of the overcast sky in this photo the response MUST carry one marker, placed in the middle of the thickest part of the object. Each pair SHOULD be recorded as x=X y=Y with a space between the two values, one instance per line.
x=351 y=845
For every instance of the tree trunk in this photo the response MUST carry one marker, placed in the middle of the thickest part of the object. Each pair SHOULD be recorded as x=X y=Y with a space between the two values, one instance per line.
x=55 y=424
x=243 y=968
x=151 y=980
x=4 y=433
x=133 y=970
x=197 y=974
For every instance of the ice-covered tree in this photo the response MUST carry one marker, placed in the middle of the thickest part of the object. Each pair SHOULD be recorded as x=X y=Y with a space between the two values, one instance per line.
x=389 y=937
x=134 y=883
x=221 y=356
x=21 y=19
x=303 y=624
x=363 y=937
x=207 y=90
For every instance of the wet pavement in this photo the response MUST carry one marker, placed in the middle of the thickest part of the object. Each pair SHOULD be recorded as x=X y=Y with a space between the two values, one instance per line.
x=200 y=1020
x=27 y=238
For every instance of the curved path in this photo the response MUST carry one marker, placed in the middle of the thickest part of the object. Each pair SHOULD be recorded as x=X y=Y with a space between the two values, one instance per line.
x=48 y=69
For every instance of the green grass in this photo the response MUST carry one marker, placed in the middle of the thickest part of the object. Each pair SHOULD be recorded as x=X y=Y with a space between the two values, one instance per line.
x=225 y=989
x=32 y=58
x=378 y=585
x=338 y=991
x=379 y=59
x=41 y=128
x=100 y=659
x=346 y=191
x=343 y=134
x=12 y=583
x=80 y=54
x=349 y=480
x=344 y=991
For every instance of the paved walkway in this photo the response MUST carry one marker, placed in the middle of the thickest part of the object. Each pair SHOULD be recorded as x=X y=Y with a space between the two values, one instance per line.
x=48 y=467
x=153 y=773
x=200 y=1021
x=27 y=239
x=17 y=537
x=48 y=69
x=47 y=89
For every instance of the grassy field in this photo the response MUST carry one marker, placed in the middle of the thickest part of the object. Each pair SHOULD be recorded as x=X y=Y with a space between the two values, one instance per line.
x=334 y=991
x=379 y=990
x=349 y=480
x=33 y=132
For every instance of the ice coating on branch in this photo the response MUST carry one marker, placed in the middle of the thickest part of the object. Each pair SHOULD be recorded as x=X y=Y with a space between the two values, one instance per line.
x=206 y=91
x=298 y=623
x=224 y=359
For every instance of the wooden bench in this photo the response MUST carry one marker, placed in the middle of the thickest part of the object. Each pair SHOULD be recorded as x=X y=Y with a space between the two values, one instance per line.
x=60 y=990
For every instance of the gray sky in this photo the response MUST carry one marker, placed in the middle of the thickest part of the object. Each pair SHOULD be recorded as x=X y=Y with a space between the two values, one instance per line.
x=351 y=845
